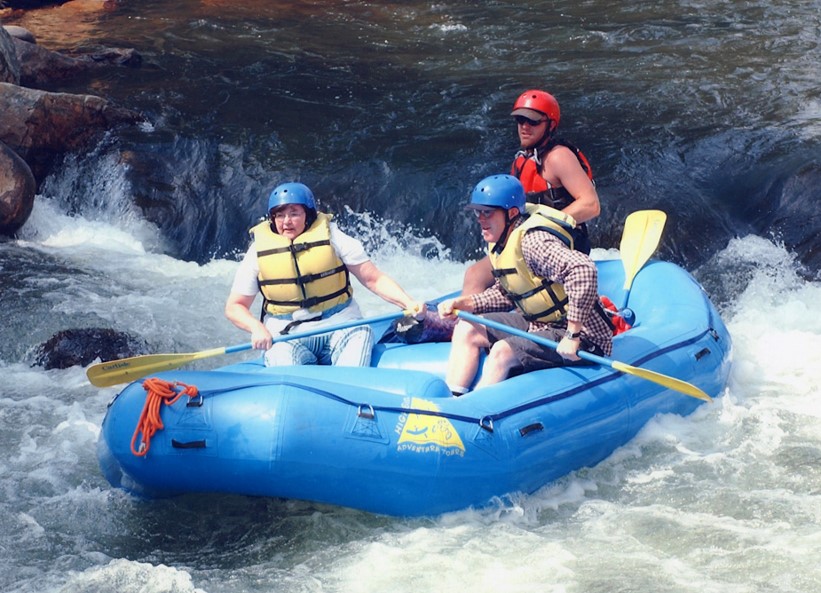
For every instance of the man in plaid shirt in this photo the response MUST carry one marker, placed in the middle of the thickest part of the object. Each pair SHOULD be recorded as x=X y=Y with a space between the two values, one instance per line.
x=550 y=290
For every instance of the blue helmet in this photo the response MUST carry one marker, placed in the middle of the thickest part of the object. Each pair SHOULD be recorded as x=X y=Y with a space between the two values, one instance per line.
x=498 y=191
x=292 y=193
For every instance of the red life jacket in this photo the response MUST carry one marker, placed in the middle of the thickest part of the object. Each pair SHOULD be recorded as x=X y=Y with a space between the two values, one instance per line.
x=527 y=168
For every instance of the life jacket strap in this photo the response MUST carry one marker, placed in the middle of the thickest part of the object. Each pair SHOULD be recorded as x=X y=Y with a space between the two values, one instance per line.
x=311 y=302
x=293 y=248
x=503 y=272
x=559 y=306
x=567 y=241
x=301 y=280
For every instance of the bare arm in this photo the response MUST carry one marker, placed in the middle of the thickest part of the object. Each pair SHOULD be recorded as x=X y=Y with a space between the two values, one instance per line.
x=448 y=308
x=562 y=169
x=493 y=298
x=238 y=312
x=478 y=277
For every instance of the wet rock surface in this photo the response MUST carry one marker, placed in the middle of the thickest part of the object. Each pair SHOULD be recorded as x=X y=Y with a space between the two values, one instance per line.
x=81 y=347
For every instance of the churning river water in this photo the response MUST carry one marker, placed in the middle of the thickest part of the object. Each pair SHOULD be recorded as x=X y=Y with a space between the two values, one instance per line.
x=391 y=112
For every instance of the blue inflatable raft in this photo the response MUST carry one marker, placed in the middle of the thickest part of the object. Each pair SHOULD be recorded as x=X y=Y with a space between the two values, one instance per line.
x=391 y=439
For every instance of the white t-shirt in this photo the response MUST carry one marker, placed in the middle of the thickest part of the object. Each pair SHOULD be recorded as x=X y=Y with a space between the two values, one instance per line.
x=349 y=250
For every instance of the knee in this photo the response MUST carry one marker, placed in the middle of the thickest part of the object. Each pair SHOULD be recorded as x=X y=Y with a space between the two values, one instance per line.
x=467 y=334
x=282 y=354
x=501 y=355
x=362 y=334
x=351 y=347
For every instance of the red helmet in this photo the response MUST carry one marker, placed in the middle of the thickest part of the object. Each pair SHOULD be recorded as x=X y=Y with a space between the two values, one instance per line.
x=541 y=103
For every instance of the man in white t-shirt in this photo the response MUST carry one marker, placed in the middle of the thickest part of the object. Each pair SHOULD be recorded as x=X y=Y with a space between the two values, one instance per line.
x=300 y=262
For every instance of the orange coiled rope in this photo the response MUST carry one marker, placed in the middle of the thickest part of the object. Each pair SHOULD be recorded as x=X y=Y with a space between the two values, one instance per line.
x=157 y=392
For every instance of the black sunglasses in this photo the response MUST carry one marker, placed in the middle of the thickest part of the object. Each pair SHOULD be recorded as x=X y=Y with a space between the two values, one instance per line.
x=522 y=120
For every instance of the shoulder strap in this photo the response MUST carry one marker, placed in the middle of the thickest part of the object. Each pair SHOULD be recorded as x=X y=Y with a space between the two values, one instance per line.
x=574 y=149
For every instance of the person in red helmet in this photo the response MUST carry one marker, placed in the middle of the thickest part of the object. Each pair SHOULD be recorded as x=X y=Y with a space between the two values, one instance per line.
x=553 y=172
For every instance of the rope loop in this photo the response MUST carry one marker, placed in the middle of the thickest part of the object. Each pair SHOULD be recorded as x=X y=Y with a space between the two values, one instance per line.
x=158 y=391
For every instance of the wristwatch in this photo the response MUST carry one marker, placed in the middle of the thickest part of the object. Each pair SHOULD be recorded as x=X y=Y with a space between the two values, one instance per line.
x=572 y=336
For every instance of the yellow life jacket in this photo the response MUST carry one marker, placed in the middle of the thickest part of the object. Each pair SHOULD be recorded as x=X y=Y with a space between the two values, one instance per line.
x=537 y=298
x=303 y=274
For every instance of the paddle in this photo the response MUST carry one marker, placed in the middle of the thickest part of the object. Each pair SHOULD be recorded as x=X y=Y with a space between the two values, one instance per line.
x=669 y=382
x=642 y=232
x=114 y=372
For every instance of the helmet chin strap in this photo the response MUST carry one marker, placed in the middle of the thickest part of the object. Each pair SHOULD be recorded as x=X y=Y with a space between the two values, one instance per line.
x=545 y=139
x=500 y=245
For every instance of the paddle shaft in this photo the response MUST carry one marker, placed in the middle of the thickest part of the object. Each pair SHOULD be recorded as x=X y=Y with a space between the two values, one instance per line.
x=307 y=334
x=106 y=374
x=589 y=356
x=669 y=382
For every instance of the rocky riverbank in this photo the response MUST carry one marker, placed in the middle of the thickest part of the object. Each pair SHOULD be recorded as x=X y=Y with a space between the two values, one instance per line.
x=38 y=123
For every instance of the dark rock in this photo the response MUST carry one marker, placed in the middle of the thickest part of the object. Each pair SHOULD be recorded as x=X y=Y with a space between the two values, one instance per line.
x=29 y=4
x=107 y=56
x=20 y=33
x=39 y=125
x=9 y=62
x=42 y=68
x=789 y=213
x=83 y=346
x=33 y=121
x=17 y=190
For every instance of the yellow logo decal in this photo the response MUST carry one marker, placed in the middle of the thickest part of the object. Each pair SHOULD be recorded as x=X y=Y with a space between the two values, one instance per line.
x=423 y=433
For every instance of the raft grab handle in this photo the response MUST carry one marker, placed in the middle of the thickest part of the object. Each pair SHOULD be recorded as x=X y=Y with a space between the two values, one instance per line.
x=365 y=411
x=531 y=428
x=200 y=444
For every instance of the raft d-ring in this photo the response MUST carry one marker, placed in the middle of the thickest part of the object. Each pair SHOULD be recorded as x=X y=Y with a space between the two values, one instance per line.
x=195 y=402
x=486 y=423
x=366 y=411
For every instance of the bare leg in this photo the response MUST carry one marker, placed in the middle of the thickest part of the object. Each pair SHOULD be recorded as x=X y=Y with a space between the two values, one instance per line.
x=478 y=277
x=497 y=364
x=466 y=345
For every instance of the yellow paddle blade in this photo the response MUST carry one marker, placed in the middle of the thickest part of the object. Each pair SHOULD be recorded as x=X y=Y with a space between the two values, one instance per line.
x=641 y=236
x=669 y=382
x=125 y=370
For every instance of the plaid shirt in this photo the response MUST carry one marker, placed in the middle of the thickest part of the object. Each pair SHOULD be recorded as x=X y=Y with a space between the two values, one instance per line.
x=549 y=258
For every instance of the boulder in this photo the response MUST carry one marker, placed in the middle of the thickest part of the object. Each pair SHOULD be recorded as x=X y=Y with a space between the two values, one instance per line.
x=17 y=190
x=43 y=68
x=72 y=347
x=9 y=62
x=20 y=33
x=33 y=121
